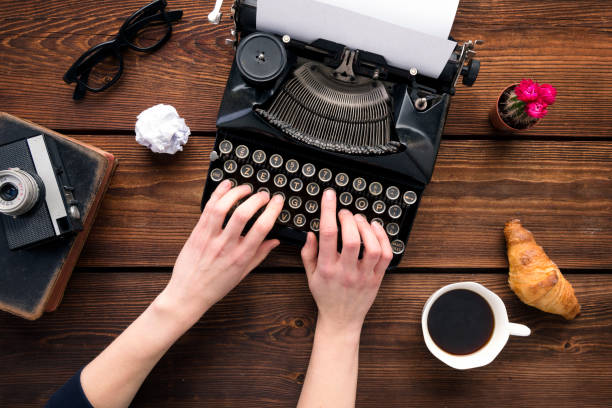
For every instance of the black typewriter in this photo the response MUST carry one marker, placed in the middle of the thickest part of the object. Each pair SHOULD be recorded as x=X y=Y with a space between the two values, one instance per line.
x=297 y=118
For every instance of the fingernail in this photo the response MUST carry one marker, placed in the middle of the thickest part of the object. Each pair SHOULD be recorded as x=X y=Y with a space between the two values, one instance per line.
x=361 y=217
x=225 y=183
x=376 y=225
x=278 y=198
x=329 y=194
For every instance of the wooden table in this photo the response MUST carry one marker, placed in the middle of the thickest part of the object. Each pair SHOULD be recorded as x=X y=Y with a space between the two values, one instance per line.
x=251 y=349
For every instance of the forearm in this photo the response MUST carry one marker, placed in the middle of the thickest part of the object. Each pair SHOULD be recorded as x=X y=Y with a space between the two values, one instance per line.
x=331 y=379
x=113 y=378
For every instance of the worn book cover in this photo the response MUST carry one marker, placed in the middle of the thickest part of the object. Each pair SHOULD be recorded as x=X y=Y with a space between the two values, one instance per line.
x=33 y=279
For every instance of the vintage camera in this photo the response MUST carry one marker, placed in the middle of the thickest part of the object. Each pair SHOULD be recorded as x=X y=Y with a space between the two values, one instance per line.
x=36 y=201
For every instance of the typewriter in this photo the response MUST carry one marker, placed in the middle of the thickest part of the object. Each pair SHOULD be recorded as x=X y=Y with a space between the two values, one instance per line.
x=297 y=118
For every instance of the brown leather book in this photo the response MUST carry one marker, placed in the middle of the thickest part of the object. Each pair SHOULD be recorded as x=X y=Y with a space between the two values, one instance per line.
x=33 y=279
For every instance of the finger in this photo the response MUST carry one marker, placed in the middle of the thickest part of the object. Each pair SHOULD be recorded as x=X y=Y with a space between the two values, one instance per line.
x=221 y=189
x=372 y=249
x=386 y=252
x=351 y=241
x=261 y=228
x=262 y=252
x=328 y=229
x=244 y=213
x=309 y=254
x=223 y=205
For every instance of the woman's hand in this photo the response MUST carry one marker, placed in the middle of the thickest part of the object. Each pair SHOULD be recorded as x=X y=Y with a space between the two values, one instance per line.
x=215 y=259
x=343 y=286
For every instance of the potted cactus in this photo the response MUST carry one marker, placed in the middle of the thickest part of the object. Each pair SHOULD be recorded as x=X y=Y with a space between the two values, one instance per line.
x=521 y=106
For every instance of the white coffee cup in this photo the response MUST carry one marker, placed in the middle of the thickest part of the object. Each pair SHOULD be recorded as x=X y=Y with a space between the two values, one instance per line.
x=502 y=329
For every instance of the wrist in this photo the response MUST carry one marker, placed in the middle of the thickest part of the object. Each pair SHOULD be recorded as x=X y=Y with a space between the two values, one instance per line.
x=172 y=309
x=339 y=332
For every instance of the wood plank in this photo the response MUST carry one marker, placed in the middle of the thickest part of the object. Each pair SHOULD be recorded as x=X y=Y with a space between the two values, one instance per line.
x=568 y=46
x=252 y=349
x=561 y=190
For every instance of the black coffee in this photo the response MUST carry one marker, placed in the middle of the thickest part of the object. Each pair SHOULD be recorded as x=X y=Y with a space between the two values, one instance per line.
x=460 y=322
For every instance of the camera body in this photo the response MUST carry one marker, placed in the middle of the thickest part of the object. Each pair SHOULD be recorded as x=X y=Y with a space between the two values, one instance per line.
x=37 y=203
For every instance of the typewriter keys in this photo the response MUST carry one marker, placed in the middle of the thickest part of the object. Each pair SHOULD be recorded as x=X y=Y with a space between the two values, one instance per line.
x=395 y=211
x=308 y=170
x=216 y=174
x=292 y=166
x=361 y=204
x=242 y=152
x=393 y=193
x=280 y=180
x=299 y=220
x=342 y=179
x=345 y=198
x=246 y=170
x=378 y=220
x=375 y=188
x=410 y=197
x=263 y=176
x=263 y=189
x=397 y=246
x=284 y=216
x=295 y=202
x=259 y=156
x=261 y=58
x=230 y=166
x=359 y=184
x=313 y=189
x=392 y=229
x=225 y=147
x=296 y=185
x=311 y=206
x=315 y=224
x=276 y=160
x=325 y=175
x=379 y=207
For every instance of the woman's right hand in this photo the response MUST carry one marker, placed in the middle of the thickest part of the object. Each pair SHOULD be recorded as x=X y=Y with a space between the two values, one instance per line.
x=343 y=286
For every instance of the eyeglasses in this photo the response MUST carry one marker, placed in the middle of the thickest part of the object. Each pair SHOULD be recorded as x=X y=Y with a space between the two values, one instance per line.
x=147 y=30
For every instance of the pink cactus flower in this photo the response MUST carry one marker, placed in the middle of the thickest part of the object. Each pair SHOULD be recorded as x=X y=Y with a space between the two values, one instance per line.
x=527 y=91
x=547 y=94
x=536 y=110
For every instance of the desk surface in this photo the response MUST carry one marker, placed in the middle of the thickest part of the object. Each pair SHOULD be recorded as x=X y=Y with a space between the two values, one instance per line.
x=252 y=348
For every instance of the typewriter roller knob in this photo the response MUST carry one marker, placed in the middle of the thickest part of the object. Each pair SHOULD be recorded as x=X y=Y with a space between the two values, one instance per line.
x=470 y=72
x=261 y=58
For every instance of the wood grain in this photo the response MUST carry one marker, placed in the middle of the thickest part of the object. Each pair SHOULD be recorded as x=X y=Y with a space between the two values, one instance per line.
x=561 y=190
x=252 y=349
x=566 y=43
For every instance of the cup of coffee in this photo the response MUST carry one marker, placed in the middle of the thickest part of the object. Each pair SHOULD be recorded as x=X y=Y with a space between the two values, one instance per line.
x=465 y=325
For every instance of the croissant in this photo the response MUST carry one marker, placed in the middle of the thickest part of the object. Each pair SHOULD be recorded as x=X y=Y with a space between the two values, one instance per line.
x=535 y=279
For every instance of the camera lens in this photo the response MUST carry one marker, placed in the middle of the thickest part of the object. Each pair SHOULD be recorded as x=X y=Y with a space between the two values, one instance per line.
x=8 y=192
x=19 y=192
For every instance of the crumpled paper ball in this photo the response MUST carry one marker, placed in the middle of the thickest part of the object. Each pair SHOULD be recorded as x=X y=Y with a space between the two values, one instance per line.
x=161 y=129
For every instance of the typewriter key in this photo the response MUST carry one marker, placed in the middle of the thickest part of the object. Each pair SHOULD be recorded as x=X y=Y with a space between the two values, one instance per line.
x=259 y=156
x=375 y=188
x=299 y=220
x=296 y=185
x=312 y=189
x=263 y=189
x=284 y=216
x=346 y=198
x=230 y=166
x=308 y=170
x=359 y=184
x=280 y=193
x=325 y=175
x=233 y=182
x=280 y=180
x=342 y=179
x=292 y=165
x=378 y=220
x=216 y=174
x=315 y=224
x=392 y=229
x=393 y=193
x=311 y=206
x=263 y=176
x=397 y=246
x=225 y=147
x=361 y=204
x=276 y=160
x=410 y=197
x=295 y=202
x=242 y=152
x=247 y=170
x=379 y=207
x=395 y=211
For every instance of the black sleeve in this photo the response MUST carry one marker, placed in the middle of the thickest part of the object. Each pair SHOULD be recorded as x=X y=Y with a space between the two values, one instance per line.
x=71 y=395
